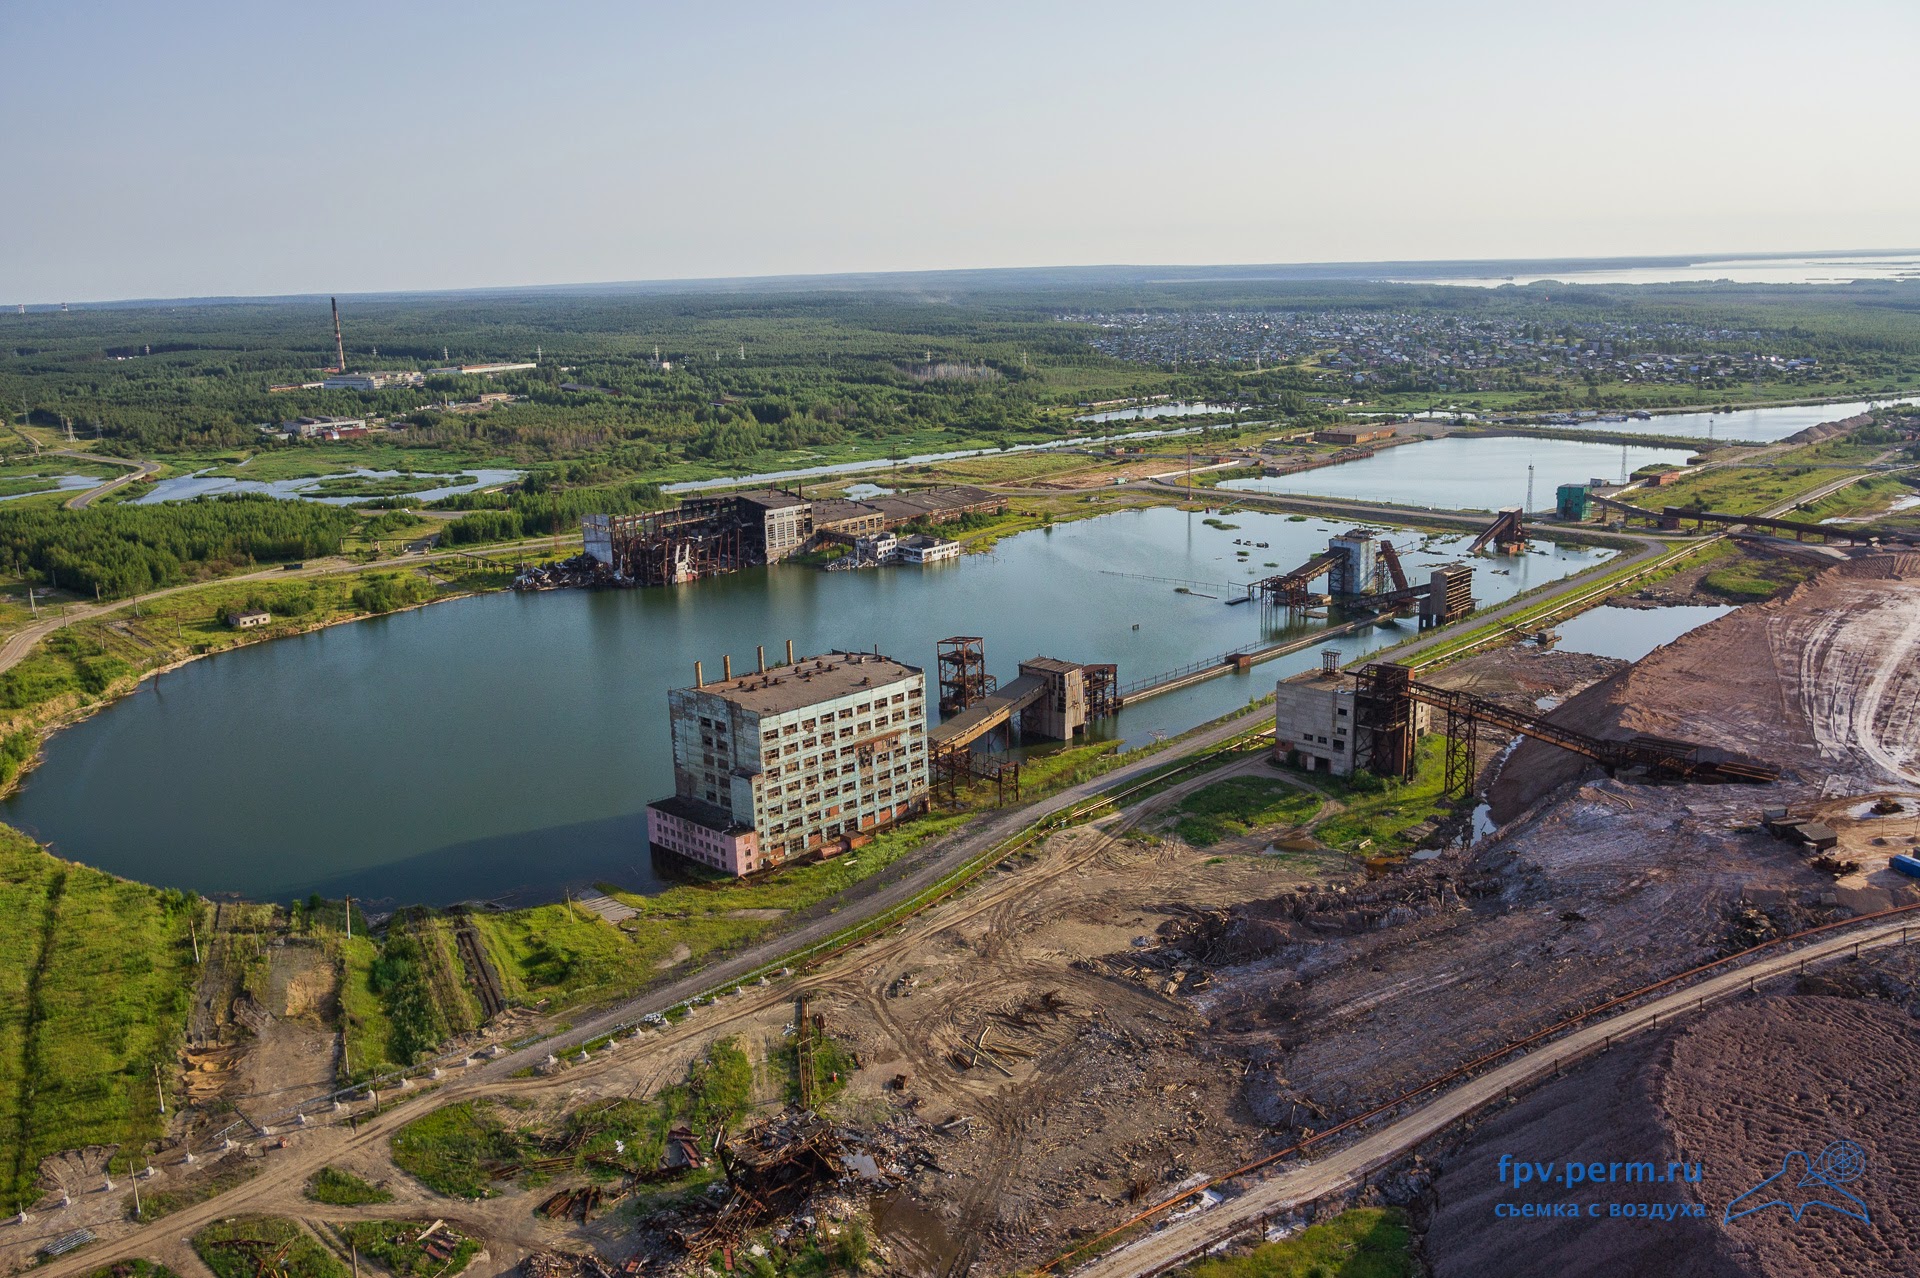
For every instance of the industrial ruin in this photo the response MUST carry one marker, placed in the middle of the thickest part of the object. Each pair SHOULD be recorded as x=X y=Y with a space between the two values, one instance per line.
x=710 y=536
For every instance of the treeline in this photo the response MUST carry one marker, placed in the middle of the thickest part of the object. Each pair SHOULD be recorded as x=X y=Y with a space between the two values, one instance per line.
x=119 y=550
x=539 y=512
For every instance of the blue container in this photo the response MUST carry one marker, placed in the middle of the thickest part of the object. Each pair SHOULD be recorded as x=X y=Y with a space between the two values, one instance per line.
x=1907 y=865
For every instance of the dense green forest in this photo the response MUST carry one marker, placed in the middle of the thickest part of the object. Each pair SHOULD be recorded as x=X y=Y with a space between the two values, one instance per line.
x=120 y=550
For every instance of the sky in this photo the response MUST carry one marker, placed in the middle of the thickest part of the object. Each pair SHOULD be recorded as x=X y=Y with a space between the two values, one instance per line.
x=205 y=149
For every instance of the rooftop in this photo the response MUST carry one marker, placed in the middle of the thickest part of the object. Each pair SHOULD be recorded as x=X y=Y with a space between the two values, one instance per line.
x=809 y=681
x=770 y=499
x=701 y=813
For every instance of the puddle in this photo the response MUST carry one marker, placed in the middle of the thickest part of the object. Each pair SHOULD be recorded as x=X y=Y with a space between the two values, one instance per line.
x=917 y=1238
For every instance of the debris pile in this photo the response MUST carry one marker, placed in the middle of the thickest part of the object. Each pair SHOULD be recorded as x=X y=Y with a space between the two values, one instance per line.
x=582 y=571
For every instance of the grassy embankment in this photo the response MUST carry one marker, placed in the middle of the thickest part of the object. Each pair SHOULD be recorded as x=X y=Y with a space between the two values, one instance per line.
x=96 y=974
x=1361 y=1242
x=404 y=994
x=569 y=954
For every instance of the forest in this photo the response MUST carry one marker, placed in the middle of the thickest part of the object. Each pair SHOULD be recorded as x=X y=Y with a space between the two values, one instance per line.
x=118 y=550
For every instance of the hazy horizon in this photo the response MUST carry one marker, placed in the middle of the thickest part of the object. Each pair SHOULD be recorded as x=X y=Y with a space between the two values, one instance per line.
x=236 y=151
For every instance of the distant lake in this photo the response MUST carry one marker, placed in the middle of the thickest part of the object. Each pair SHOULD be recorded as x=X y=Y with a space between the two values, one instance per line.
x=1749 y=425
x=1468 y=473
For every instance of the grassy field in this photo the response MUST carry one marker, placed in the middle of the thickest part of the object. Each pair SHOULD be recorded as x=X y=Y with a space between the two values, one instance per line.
x=1361 y=1242
x=1737 y=490
x=133 y=1269
x=339 y=1188
x=569 y=954
x=465 y=1150
x=1229 y=808
x=1744 y=578
x=1381 y=815
x=95 y=977
x=242 y=1246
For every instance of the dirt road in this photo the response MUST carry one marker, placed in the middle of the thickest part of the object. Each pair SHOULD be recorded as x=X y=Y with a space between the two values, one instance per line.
x=1304 y=1183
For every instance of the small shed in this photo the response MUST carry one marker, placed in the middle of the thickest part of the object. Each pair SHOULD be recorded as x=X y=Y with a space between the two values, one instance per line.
x=250 y=620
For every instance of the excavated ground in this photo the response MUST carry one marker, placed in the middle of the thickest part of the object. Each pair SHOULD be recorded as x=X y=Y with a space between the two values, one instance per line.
x=1735 y=1092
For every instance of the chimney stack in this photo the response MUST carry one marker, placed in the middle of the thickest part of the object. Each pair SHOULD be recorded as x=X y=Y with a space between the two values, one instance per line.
x=789 y=652
x=762 y=651
x=726 y=667
x=699 y=680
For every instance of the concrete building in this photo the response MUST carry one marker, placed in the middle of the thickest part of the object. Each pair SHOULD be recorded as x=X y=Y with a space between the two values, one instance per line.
x=372 y=381
x=251 y=620
x=808 y=757
x=1351 y=435
x=1313 y=723
x=777 y=524
x=922 y=549
x=322 y=427
x=480 y=370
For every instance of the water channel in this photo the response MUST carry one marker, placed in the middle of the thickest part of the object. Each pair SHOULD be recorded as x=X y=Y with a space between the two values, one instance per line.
x=432 y=486
x=1469 y=473
x=504 y=746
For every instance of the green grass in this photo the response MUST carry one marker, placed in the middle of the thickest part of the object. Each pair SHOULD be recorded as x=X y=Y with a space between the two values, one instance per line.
x=1227 y=809
x=396 y=1245
x=1737 y=490
x=1381 y=813
x=1361 y=1242
x=1752 y=578
x=95 y=977
x=567 y=955
x=369 y=1030
x=448 y=1150
x=464 y=1150
x=242 y=1246
x=344 y=1189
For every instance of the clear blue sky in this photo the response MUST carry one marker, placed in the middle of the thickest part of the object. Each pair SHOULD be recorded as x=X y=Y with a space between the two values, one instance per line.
x=210 y=148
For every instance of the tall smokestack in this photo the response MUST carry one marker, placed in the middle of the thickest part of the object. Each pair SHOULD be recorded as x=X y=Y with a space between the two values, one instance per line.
x=699 y=679
x=726 y=667
x=762 y=652
x=339 y=347
x=789 y=652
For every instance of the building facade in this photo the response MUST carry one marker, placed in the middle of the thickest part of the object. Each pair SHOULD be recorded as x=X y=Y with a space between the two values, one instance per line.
x=809 y=757
x=1313 y=723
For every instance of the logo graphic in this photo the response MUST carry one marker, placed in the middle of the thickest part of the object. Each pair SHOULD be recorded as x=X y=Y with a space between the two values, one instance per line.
x=1804 y=1183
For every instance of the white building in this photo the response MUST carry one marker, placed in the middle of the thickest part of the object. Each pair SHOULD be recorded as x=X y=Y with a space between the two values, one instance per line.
x=1313 y=723
x=372 y=381
x=923 y=549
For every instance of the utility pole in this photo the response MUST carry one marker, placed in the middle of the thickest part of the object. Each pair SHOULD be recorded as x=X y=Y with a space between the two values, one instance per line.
x=195 y=934
x=349 y=918
x=158 y=1090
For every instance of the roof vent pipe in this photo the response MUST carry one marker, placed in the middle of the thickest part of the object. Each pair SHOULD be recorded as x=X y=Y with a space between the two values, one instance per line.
x=789 y=652
x=726 y=667
x=761 y=650
x=699 y=680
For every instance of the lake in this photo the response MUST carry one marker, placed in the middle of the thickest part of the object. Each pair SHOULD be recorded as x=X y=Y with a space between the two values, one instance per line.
x=504 y=746
x=1468 y=473
x=1787 y=269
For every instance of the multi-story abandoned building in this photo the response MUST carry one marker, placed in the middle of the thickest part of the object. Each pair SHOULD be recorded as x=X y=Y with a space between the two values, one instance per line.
x=807 y=757
x=1314 y=727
